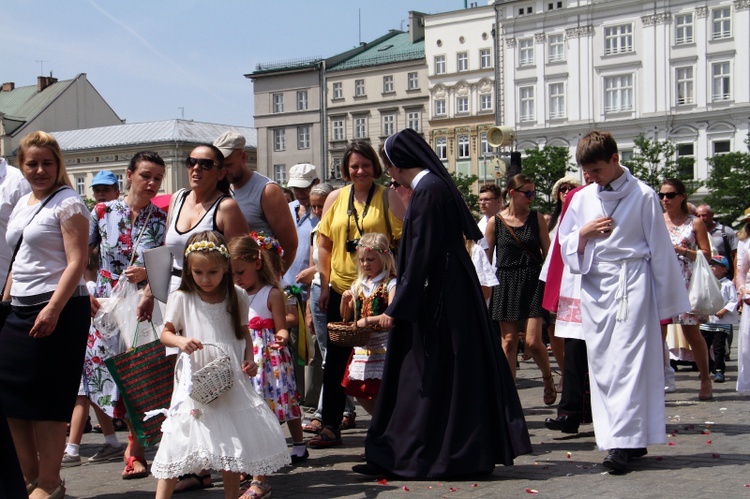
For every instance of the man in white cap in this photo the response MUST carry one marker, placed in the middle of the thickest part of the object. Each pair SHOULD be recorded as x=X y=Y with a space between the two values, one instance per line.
x=12 y=187
x=261 y=199
x=302 y=178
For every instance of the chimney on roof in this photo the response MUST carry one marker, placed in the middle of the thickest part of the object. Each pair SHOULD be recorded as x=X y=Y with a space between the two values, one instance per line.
x=416 y=26
x=8 y=86
x=43 y=82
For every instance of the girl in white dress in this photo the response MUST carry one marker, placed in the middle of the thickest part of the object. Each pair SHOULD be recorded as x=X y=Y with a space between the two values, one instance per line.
x=236 y=433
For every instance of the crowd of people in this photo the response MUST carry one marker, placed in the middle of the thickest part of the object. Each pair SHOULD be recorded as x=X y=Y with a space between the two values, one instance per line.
x=258 y=272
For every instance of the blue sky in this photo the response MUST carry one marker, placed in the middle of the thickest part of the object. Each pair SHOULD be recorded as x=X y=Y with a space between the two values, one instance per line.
x=150 y=58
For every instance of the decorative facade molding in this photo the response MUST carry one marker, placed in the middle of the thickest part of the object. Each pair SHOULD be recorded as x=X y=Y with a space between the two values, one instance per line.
x=510 y=42
x=741 y=4
x=485 y=87
x=539 y=37
x=579 y=31
x=655 y=19
x=701 y=12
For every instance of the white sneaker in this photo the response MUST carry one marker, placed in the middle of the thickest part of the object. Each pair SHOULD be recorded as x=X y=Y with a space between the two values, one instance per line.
x=107 y=452
x=669 y=383
x=68 y=460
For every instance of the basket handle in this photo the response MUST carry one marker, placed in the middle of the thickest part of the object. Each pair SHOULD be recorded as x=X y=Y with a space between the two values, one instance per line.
x=180 y=357
x=356 y=319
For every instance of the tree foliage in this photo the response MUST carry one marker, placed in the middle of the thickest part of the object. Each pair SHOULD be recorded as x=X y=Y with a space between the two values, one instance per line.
x=465 y=184
x=546 y=166
x=655 y=160
x=729 y=184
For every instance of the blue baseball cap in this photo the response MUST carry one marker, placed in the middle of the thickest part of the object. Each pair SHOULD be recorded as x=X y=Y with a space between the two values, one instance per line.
x=720 y=260
x=104 y=177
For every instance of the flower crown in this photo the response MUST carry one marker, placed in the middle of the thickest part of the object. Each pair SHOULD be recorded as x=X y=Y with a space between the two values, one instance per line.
x=207 y=246
x=267 y=242
x=377 y=249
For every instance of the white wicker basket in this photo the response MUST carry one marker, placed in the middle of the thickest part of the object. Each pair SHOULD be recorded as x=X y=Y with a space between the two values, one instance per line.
x=213 y=379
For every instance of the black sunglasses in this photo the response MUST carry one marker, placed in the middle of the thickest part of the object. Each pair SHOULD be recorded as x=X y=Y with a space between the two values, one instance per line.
x=205 y=164
x=566 y=188
x=668 y=195
x=395 y=184
x=528 y=194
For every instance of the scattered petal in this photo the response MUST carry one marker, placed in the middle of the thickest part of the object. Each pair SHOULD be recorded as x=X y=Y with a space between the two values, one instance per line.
x=705 y=432
x=747 y=485
x=709 y=442
x=383 y=481
x=569 y=455
x=715 y=456
x=672 y=444
x=405 y=488
x=532 y=491
x=475 y=485
x=709 y=422
x=723 y=409
x=670 y=435
x=453 y=489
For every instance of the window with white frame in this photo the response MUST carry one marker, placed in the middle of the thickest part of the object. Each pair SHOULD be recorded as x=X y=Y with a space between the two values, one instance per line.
x=414 y=120
x=722 y=23
x=439 y=64
x=359 y=88
x=556 y=48
x=618 y=39
x=441 y=148
x=722 y=146
x=120 y=183
x=439 y=107
x=278 y=103
x=684 y=80
x=484 y=146
x=526 y=52
x=81 y=186
x=683 y=29
x=526 y=103
x=463 y=146
x=618 y=93
x=462 y=104
x=389 y=124
x=360 y=128
x=485 y=102
x=412 y=80
x=721 y=81
x=485 y=58
x=279 y=139
x=337 y=127
x=302 y=100
x=279 y=174
x=303 y=137
x=556 y=100
x=462 y=61
x=388 y=84
x=338 y=90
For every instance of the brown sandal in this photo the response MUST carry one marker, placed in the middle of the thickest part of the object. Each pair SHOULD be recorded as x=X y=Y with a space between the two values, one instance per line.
x=550 y=394
x=314 y=426
x=349 y=422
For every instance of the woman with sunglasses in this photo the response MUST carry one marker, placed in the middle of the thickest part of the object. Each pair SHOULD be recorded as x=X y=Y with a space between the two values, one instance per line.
x=689 y=236
x=518 y=236
x=206 y=205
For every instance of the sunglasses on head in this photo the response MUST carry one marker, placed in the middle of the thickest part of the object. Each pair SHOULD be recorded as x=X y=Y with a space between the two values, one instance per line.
x=205 y=164
x=528 y=194
x=668 y=195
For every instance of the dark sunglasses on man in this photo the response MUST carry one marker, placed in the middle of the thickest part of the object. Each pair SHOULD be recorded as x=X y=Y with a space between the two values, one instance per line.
x=205 y=164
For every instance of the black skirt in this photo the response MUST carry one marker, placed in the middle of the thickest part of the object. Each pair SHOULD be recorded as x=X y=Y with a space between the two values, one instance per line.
x=39 y=377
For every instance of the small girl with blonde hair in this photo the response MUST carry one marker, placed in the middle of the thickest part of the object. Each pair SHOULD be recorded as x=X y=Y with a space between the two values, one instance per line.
x=369 y=296
x=236 y=433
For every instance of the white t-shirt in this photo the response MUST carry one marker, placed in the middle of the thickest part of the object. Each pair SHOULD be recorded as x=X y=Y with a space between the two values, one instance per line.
x=12 y=187
x=41 y=259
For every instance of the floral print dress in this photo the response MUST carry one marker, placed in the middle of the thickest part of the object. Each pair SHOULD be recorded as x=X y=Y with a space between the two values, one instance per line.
x=684 y=235
x=275 y=381
x=111 y=230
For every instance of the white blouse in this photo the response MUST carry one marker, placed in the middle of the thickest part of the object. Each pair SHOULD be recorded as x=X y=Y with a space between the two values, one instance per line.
x=41 y=259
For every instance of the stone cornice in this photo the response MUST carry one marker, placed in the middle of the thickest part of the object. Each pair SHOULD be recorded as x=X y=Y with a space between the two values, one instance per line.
x=579 y=31
x=655 y=19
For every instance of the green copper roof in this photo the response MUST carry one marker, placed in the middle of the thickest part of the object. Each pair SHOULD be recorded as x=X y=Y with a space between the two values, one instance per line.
x=25 y=102
x=388 y=49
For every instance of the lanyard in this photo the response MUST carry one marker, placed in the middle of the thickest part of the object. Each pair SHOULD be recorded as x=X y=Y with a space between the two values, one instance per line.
x=351 y=211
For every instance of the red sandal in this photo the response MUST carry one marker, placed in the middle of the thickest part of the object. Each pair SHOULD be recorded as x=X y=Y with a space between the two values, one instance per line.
x=129 y=472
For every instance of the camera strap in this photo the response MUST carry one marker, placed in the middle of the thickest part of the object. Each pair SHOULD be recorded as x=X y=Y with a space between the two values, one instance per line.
x=351 y=211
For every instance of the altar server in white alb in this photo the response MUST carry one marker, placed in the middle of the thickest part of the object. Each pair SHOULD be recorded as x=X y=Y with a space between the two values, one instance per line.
x=614 y=235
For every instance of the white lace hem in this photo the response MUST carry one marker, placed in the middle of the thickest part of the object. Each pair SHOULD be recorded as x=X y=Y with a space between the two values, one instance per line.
x=204 y=460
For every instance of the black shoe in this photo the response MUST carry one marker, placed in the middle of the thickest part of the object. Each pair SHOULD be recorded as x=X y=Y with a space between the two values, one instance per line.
x=617 y=460
x=563 y=423
x=298 y=459
x=371 y=470
x=636 y=453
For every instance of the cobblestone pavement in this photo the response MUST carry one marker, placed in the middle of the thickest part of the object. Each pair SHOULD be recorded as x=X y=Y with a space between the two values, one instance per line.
x=706 y=456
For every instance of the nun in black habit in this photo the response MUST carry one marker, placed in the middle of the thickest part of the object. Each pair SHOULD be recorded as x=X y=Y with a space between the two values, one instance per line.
x=448 y=406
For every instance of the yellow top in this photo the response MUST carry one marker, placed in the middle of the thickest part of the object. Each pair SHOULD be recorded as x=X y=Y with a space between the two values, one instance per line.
x=340 y=227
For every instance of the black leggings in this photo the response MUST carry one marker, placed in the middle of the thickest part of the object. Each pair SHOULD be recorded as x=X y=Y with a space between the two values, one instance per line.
x=336 y=359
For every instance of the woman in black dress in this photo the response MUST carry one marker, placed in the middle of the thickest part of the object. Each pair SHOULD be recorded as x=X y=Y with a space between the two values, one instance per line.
x=448 y=406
